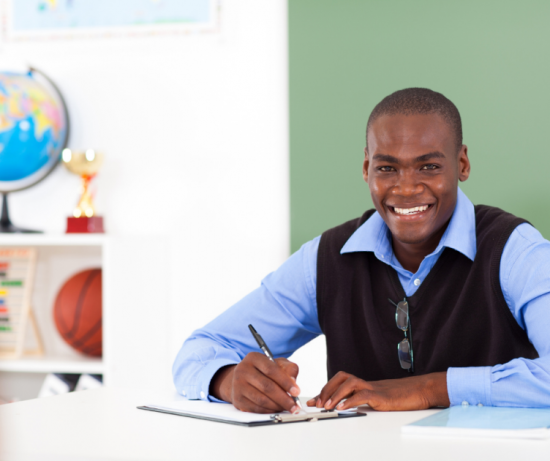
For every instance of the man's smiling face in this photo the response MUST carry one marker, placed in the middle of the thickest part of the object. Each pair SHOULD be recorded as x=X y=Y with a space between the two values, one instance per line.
x=413 y=167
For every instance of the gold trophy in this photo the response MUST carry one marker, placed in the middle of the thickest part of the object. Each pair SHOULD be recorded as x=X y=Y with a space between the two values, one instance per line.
x=86 y=165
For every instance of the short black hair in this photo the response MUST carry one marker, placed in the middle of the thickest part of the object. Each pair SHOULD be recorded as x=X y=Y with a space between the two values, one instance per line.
x=412 y=101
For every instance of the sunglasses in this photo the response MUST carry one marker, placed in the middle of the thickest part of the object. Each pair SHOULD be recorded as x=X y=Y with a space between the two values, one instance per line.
x=404 y=348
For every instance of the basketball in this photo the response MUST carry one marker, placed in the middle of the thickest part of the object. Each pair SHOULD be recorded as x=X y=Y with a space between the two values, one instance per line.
x=77 y=312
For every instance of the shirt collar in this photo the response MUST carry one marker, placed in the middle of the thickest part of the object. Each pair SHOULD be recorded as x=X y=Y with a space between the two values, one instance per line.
x=460 y=235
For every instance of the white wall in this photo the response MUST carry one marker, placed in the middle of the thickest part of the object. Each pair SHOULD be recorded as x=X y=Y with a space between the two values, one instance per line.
x=195 y=133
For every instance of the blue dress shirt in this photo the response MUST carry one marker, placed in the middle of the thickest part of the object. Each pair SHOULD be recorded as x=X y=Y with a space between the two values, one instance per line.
x=284 y=310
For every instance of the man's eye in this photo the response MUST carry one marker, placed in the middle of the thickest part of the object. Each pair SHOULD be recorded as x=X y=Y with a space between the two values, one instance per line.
x=429 y=167
x=385 y=168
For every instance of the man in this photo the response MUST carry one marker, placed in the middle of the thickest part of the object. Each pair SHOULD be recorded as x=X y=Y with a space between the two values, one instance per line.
x=426 y=301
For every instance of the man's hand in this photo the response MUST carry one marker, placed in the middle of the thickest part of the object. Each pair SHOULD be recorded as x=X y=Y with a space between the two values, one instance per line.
x=414 y=393
x=258 y=385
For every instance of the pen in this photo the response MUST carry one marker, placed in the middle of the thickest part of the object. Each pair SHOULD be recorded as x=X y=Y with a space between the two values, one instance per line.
x=269 y=355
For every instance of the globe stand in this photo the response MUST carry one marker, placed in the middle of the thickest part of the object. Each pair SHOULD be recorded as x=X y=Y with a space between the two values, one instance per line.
x=6 y=226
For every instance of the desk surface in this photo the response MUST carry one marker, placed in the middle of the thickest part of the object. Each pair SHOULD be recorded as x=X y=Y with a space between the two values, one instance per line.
x=104 y=424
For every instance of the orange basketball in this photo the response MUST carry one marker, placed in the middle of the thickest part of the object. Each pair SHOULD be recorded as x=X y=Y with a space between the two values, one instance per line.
x=77 y=312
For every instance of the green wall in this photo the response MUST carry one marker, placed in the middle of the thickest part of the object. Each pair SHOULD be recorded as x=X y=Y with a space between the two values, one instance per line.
x=491 y=58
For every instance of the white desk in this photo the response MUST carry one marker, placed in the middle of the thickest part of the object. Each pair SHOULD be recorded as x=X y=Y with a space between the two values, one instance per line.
x=105 y=424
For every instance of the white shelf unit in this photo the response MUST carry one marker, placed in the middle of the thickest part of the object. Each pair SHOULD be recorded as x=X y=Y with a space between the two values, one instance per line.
x=58 y=258
x=45 y=240
x=47 y=364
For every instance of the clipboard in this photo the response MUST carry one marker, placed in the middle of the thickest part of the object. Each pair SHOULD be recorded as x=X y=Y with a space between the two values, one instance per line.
x=228 y=414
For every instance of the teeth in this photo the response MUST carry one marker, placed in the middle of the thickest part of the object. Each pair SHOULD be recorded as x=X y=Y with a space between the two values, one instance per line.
x=414 y=210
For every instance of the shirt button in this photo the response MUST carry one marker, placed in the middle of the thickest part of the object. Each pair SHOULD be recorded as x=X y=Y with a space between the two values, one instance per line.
x=184 y=393
x=417 y=282
x=203 y=396
x=382 y=256
x=479 y=404
x=465 y=403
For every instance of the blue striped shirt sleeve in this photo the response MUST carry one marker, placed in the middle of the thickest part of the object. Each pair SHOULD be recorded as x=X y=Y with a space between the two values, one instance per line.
x=283 y=310
x=525 y=282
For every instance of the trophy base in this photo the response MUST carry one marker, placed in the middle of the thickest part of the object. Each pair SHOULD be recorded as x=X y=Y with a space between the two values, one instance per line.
x=84 y=225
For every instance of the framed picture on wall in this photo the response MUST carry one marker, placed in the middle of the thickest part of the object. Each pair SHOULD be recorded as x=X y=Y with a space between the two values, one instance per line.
x=67 y=19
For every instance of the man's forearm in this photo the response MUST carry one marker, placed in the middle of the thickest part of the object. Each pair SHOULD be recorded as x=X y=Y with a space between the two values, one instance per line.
x=520 y=382
x=220 y=386
x=197 y=363
x=437 y=389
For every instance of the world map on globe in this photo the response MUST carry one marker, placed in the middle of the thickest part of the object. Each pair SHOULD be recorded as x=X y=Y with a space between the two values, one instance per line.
x=33 y=130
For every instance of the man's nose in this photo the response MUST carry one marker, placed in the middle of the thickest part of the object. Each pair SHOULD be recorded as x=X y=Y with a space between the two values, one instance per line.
x=408 y=185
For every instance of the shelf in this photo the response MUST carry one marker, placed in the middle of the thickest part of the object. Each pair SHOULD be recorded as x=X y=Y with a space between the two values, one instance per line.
x=53 y=365
x=53 y=239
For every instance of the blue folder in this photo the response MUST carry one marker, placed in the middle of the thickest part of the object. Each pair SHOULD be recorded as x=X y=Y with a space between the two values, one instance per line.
x=479 y=421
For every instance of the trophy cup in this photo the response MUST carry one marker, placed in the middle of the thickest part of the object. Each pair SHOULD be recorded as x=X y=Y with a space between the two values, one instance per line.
x=86 y=165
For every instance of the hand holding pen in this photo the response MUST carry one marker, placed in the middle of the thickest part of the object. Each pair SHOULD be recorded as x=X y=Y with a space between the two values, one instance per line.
x=258 y=384
x=267 y=352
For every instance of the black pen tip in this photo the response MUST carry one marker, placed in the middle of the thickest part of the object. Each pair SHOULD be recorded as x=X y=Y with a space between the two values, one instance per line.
x=252 y=329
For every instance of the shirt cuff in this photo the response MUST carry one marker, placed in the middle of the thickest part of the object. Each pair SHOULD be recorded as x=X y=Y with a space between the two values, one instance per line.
x=205 y=377
x=469 y=386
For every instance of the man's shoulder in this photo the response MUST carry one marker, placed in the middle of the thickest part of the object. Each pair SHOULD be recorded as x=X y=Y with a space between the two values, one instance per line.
x=489 y=214
x=494 y=222
x=494 y=228
x=349 y=227
x=333 y=240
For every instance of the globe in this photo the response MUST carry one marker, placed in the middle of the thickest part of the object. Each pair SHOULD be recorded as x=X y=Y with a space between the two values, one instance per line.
x=33 y=132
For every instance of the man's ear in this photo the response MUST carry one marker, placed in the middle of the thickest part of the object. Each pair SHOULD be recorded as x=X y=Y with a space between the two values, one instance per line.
x=366 y=166
x=463 y=164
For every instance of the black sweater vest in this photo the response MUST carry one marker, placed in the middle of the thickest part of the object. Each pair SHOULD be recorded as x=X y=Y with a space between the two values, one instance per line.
x=459 y=317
